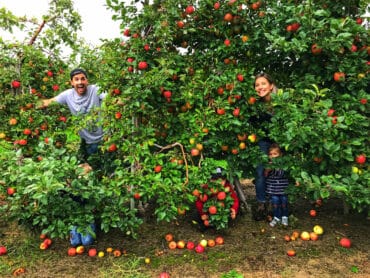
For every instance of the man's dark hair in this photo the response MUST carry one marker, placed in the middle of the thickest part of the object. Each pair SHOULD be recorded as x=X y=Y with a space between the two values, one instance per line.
x=77 y=71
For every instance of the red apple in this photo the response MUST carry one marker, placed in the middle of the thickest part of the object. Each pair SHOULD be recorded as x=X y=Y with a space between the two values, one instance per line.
x=112 y=148
x=10 y=190
x=291 y=253
x=157 y=168
x=92 y=252
x=236 y=112
x=190 y=245
x=194 y=152
x=180 y=24
x=27 y=131
x=126 y=32
x=313 y=212
x=212 y=210
x=164 y=275
x=167 y=94
x=55 y=87
x=227 y=42
x=16 y=84
x=315 y=50
x=361 y=159
x=142 y=65
x=252 y=100
x=216 y=5
x=221 y=195
x=240 y=77
x=3 y=250
x=71 y=251
x=190 y=9
x=219 y=240
x=363 y=101
x=345 y=242
x=220 y=111
x=339 y=76
x=199 y=248
x=137 y=196
x=118 y=115
x=49 y=73
x=331 y=112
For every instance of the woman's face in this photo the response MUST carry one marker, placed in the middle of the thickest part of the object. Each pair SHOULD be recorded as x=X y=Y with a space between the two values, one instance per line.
x=263 y=87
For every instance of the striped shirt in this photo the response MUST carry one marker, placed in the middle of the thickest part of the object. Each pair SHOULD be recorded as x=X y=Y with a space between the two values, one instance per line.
x=276 y=182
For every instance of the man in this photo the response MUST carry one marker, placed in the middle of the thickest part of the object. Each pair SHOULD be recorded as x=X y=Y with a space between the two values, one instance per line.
x=81 y=99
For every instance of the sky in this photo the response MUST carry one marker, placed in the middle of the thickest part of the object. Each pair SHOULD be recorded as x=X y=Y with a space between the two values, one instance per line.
x=96 y=19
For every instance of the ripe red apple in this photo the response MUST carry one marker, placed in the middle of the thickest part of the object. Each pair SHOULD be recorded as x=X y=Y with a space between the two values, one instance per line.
x=116 y=91
x=130 y=60
x=221 y=195
x=157 y=168
x=227 y=42
x=112 y=148
x=194 y=152
x=252 y=100
x=345 y=242
x=190 y=245
x=137 y=196
x=240 y=77
x=220 y=111
x=167 y=94
x=55 y=87
x=71 y=251
x=315 y=50
x=3 y=250
x=361 y=159
x=164 y=275
x=126 y=32
x=314 y=236
x=27 y=131
x=142 y=65
x=219 y=240
x=339 y=76
x=22 y=142
x=331 y=112
x=216 y=5
x=212 y=210
x=92 y=252
x=291 y=253
x=118 y=115
x=313 y=212
x=359 y=21
x=199 y=248
x=180 y=24
x=363 y=101
x=16 y=84
x=353 y=48
x=13 y=121
x=236 y=112
x=190 y=9
x=10 y=190
x=43 y=246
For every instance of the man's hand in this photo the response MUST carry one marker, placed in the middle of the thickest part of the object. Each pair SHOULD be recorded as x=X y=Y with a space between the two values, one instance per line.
x=44 y=103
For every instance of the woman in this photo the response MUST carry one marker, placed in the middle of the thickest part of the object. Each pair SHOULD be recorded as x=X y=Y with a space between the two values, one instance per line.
x=264 y=86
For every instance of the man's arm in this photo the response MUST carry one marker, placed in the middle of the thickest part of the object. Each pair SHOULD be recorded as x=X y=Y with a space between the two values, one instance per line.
x=46 y=102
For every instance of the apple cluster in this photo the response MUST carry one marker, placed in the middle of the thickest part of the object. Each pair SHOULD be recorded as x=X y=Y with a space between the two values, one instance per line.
x=198 y=247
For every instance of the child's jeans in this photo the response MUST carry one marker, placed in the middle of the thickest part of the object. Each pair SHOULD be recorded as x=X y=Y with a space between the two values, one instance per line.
x=279 y=205
x=85 y=238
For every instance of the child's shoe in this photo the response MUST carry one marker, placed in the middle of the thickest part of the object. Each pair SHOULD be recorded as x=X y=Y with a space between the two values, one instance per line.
x=274 y=222
x=75 y=237
x=284 y=221
x=89 y=236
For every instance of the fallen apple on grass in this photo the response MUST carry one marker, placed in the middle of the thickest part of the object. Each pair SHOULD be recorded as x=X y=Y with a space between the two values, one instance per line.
x=345 y=242
x=3 y=250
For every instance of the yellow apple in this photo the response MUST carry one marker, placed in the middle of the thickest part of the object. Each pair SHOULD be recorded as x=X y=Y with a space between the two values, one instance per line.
x=318 y=230
x=203 y=242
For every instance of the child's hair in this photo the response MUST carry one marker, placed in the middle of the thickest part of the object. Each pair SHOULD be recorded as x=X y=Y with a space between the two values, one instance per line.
x=275 y=146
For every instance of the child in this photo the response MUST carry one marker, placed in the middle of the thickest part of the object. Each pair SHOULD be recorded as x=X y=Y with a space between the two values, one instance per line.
x=276 y=183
